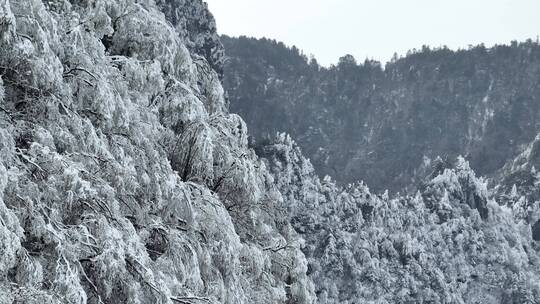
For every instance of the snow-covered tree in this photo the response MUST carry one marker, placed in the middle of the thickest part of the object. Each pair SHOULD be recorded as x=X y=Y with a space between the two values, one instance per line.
x=123 y=178
x=449 y=243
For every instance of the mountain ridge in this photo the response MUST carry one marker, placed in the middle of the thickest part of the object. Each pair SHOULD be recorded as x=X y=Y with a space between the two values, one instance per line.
x=360 y=122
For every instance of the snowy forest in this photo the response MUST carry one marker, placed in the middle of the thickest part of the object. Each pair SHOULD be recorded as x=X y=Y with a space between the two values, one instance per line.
x=126 y=178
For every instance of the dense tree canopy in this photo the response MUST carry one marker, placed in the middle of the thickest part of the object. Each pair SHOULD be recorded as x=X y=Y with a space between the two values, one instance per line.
x=448 y=243
x=125 y=179
x=358 y=121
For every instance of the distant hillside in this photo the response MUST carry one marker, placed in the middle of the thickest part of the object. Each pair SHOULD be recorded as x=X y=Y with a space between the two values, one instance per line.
x=358 y=121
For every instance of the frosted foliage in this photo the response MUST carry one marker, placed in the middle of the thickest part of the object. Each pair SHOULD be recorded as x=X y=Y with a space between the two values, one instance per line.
x=7 y=22
x=449 y=243
x=2 y=92
x=123 y=178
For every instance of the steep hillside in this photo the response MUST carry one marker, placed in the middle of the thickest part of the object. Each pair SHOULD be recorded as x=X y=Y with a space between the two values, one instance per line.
x=386 y=126
x=123 y=178
x=448 y=243
x=517 y=185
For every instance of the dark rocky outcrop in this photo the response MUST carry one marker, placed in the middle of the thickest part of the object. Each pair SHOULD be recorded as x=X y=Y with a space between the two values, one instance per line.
x=200 y=29
x=536 y=231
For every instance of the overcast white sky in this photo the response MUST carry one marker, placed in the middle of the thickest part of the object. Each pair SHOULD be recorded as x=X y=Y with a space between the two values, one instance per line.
x=376 y=29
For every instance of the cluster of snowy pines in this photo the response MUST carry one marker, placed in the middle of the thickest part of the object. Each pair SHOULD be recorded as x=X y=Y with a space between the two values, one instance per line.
x=124 y=179
x=448 y=243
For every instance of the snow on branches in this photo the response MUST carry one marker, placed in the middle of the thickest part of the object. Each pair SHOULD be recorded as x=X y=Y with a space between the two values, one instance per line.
x=123 y=178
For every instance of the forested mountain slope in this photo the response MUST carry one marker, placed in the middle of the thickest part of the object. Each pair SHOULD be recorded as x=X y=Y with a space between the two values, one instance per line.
x=125 y=179
x=385 y=126
x=448 y=243
x=517 y=184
